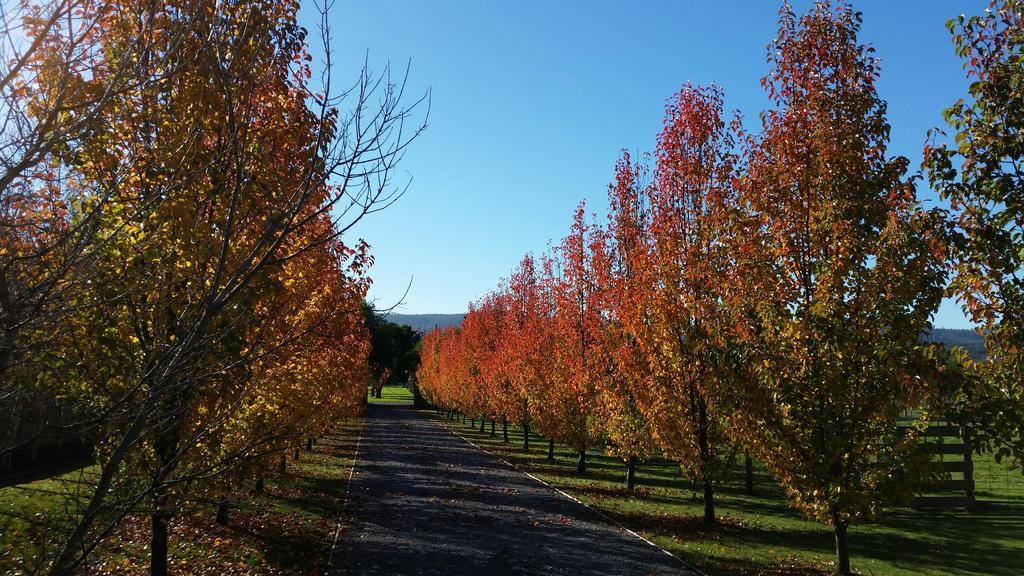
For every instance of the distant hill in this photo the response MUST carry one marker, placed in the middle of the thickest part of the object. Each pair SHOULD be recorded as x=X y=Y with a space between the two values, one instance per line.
x=969 y=340
x=426 y=322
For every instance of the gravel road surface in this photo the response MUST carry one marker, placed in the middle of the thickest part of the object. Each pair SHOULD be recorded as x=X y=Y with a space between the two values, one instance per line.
x=424 y=501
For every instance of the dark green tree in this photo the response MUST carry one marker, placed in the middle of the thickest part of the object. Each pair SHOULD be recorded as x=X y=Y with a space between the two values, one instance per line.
x=394 y=356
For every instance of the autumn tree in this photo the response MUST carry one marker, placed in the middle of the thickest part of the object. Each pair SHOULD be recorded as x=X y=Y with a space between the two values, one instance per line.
x=524 y=344
x=478 y=342
x=230 y=185
x=503 y=398
x=623 y=371
x=981 y=177
x=428 y=371
x=675 y=312
x=577 y=332
x=838 y=272
x=433 y=373
x=57 y=77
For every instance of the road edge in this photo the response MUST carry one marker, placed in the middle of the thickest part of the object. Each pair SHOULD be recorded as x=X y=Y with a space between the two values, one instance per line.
x=696 y=571
x=332 y=554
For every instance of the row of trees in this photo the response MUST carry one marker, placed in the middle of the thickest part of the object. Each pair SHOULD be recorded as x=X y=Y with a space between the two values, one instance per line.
x=766 y=291
x=174 y=286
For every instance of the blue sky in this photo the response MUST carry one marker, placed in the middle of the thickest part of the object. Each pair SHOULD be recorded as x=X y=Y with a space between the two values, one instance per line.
x=533 y=100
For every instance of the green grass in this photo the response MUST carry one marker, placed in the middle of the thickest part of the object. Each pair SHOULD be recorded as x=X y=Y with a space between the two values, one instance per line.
x=761 y=534
x=287 y=530
x=28 y=515
x=995 y=481
x=392 y=395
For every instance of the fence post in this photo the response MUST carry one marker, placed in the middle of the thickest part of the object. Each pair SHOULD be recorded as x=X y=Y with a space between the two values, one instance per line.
x=968 y=470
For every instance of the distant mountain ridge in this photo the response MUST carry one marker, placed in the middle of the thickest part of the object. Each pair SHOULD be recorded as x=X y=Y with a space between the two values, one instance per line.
x=426 y=322
x=969 y=340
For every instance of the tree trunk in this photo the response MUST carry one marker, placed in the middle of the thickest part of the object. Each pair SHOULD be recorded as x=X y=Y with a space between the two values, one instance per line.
x=709 y=501
x=581 y=464
x=418 y=401
x=842 y=552
x=526 y=437
x=472 y=423
x=282 y=464
x=551 y=448
x=68 y=558
x=504 y=428
x=309 y=445
x=483 y=422
x=749 y=466
x=258 y=485
x=631 y=474
x=706 y=457
x=296 y=455
x=222 y=511
x=158 y=542
x=492 y=428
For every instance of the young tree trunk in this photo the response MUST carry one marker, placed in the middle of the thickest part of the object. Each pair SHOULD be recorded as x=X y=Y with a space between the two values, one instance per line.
x=842 y=552
x=704 y=445
x=526 y=437
x=309 y=444
x=504 y=428
x=709 y=501
x=631 y=474
x=492 y=428
x=158 y=541
x=551 y=448
x=581 y=464
x=296 y=455
x=483 y=422
x=222 y=511
x=418 y=401
x=257 y=487
x=749 y=466
x=472 y=423
x=282 y=464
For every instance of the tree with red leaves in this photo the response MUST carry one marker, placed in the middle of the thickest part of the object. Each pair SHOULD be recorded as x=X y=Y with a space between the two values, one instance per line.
x=839 y=270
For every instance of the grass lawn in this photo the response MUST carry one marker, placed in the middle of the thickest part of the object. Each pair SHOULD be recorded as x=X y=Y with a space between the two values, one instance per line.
x=391 y=395
x=286 y=531
x=761 y=534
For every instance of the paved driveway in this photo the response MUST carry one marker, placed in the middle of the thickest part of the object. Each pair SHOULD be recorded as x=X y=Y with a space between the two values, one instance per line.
x=424 y=501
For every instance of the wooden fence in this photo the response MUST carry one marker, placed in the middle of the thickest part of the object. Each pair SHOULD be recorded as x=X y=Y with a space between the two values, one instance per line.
x=955 y=455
